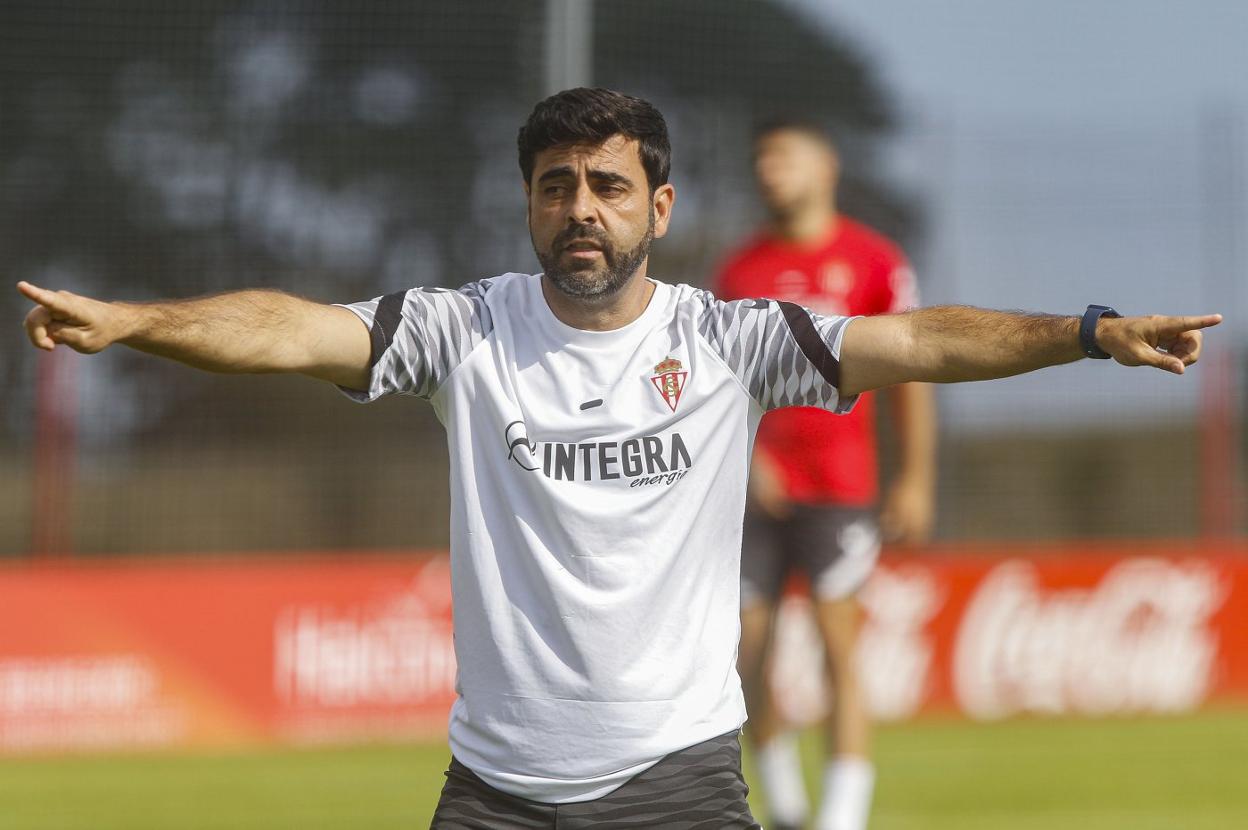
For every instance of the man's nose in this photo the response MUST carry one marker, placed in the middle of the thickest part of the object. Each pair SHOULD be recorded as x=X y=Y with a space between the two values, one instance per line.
x=583 y=209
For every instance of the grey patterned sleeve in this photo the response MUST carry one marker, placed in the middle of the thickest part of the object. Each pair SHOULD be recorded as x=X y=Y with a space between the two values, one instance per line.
x=783 y=354
x=419 y=336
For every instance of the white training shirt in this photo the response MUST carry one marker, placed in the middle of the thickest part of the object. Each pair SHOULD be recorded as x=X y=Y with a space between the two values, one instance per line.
x=598 y=484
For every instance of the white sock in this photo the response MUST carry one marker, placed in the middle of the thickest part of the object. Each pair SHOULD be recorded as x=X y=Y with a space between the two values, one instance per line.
x=780 y=768
x=848 y=782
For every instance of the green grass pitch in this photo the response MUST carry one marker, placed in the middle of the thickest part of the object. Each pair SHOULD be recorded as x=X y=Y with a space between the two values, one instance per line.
x=1182 y=772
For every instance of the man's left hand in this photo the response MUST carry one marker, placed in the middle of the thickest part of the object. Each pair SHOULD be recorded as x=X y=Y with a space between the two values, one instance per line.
x=1169 y=343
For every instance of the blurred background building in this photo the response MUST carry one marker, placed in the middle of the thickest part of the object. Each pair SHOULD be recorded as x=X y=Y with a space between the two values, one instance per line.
x=1028 y=157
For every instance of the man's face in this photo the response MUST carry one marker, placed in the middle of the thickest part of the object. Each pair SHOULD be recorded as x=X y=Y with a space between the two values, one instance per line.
x=592 y=216
x=794 y=169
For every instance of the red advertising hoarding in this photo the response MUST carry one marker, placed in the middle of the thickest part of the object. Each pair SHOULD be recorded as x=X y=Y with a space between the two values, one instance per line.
x=356 y=647
x=995 y=631
x=138 y=654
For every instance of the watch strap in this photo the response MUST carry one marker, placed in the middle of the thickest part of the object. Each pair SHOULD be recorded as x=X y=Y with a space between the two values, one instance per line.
x=1087 y=331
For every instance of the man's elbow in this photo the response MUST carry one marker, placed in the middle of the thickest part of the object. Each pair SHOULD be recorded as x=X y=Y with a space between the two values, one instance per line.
x=880 y=351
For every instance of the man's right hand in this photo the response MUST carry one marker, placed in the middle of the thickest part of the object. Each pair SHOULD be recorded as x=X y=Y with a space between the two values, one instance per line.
x=252 y=331
x=83 y=324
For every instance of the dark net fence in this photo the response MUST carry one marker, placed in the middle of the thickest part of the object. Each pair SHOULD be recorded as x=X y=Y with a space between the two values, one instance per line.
x=344 y=150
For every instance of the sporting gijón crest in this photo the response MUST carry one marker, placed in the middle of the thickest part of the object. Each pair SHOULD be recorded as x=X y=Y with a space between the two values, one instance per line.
x=669 y=378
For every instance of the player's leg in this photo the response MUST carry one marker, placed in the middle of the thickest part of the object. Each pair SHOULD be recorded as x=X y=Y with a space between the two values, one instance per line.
x=849 y=776
x=849 y=727
x=758 y=618
x=763 y=568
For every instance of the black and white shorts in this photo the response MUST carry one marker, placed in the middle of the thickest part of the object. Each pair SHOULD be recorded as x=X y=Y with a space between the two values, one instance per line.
x=836 y=547
x=699 y=788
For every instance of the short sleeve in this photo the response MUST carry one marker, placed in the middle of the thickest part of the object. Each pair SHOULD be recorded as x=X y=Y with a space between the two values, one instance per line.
x=418 y=337
x=783 y=354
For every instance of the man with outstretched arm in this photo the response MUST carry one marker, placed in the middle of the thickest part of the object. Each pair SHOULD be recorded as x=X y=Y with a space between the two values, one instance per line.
x=600 y=425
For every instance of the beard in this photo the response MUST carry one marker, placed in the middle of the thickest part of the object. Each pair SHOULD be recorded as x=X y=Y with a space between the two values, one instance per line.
x=590 y=282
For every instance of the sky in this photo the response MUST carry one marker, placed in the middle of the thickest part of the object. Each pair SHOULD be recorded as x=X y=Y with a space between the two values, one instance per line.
x=1068 y=153
x=1058 y=58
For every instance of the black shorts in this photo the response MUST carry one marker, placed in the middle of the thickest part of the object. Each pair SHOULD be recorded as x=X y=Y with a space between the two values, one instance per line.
x=837 y=547
x=699 y=787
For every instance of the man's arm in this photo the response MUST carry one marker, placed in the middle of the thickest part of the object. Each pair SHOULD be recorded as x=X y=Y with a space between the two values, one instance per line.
x=243 y=331
x=950 y=344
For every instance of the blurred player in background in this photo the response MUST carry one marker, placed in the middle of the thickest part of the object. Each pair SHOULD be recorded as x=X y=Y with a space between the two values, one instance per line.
x=814 y=479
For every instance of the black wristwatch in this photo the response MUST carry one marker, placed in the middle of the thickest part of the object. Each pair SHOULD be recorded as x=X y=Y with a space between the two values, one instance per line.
x=1087 y=331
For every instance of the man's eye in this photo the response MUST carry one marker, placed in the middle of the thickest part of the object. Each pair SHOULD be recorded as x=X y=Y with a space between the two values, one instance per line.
x=610 y=190
x=555 y=190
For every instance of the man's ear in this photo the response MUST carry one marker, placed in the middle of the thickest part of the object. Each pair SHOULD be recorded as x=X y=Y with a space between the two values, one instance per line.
x=663 y=198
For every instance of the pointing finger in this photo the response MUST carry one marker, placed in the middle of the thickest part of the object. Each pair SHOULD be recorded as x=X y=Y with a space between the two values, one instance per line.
x=39 y=295
x=61 y=304
x=1174 y=325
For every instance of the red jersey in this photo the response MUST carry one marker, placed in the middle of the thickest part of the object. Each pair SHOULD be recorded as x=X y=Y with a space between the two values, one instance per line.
x=825 y=458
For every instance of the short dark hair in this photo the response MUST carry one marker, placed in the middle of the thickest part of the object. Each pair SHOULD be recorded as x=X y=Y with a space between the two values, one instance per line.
x=591 y=116
x=794 y=123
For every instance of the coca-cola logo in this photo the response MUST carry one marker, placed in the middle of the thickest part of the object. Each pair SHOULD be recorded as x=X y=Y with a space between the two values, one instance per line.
x=895 y=652
x=1139 y=641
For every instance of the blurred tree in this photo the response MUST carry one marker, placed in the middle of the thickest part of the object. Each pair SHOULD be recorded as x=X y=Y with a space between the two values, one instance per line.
x=730 y=64
x=340 y=150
